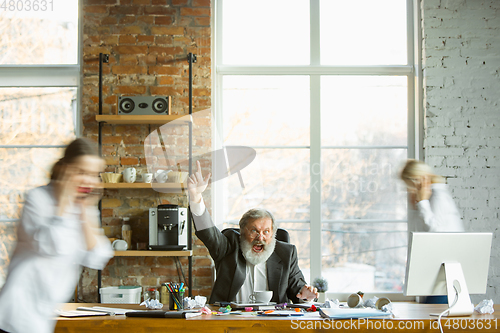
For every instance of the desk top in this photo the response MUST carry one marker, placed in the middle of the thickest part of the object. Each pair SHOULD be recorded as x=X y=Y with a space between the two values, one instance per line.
x=409 y=317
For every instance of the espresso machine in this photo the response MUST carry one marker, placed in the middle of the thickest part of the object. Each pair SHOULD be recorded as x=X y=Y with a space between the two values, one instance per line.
x=167 y=228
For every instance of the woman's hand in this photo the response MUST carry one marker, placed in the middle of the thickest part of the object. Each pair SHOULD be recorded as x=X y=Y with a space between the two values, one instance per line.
x=424 y=190
x=65 y=189
x=197 y=184
x=90 y=222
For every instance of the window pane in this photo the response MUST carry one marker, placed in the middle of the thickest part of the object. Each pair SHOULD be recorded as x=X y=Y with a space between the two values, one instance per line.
x=266 y=110
x=277 y=180
x=261 y=32
x=8 y=239
x=364 y=110
x=363 y=184
x=300 y=236
x=363 y=32
x=45 y=36
x=37 y=116
x=22 y=170
x=364 y=256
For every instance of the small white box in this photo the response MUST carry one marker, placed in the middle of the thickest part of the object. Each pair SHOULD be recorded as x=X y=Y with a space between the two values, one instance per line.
x=116 y=295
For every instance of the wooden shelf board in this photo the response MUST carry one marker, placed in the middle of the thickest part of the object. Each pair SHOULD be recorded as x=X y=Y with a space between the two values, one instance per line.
x=171 y=186
x=145 y=253
x=137 y=120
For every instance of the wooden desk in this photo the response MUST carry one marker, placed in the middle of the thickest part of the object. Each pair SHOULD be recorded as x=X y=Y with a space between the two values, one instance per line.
x=411 y=317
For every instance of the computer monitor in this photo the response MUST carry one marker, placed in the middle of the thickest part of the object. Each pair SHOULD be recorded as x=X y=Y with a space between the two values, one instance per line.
x=453 y=264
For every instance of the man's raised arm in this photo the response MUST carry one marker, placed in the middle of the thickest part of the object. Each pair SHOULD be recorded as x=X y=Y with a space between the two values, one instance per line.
x=196 y=184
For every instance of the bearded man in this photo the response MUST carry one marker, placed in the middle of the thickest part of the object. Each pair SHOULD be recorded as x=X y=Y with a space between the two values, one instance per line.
x=251 y=260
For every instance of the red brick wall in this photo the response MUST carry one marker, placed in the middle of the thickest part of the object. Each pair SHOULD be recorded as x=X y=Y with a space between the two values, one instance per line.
x=148 y=41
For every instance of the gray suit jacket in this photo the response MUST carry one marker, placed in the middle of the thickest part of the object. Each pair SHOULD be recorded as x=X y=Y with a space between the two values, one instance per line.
x=283 y=274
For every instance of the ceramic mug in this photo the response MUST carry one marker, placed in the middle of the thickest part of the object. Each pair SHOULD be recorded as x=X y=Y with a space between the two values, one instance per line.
x=161 y=176
x=147 y=177
x=354 y=301
x=129 y=175
x=119 y=245
x=381 y=302
x=261 y=296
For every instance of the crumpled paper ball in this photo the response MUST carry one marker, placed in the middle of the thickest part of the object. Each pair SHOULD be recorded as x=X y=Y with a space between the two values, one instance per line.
x=206 y=310
x=197 y=302
x=152 y=304
x=329 y=304
x=486 y=306
x=388 y=308
x=372 y=302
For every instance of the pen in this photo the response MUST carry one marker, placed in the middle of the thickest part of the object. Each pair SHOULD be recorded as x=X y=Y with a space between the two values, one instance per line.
x=172 y=294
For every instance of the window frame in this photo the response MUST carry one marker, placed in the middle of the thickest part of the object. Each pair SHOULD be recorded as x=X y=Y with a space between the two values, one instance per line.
x=47 y=76
x=413 y=72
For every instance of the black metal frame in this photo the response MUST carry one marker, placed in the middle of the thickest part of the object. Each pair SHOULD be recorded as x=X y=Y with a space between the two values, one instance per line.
x=191 y=58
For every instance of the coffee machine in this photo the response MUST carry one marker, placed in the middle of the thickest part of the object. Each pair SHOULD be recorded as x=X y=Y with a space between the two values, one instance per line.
x=168 y=228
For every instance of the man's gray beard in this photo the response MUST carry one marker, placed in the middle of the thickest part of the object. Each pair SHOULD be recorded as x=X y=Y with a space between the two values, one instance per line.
x=256 y=258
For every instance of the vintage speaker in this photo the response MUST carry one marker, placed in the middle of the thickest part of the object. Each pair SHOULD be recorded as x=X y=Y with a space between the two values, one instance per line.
x=144 y=105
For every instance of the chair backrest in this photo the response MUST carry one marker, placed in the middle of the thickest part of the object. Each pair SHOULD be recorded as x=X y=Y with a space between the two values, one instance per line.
x=281 y=234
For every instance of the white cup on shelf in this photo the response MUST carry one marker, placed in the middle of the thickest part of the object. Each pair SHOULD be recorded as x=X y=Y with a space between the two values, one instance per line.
x=129 y=175
x=119 y=245
x=147 y=177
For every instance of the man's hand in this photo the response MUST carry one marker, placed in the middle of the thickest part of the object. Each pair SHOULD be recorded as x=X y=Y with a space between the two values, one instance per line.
x=196 y=184
x=308 y=293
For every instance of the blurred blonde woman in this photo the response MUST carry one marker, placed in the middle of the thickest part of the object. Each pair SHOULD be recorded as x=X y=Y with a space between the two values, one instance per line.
x=431 y=206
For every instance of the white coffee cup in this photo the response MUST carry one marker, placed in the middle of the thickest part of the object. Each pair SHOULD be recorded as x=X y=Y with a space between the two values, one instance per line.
x=264 y=296
x=354 y=301
x=119 y=245
x=161 y=176
x=129 y=175
x=147 y=177
x=381 y=302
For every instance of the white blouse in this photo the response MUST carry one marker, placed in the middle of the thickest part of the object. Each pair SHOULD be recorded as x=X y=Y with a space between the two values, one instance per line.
x=45 y=266
x=438 y=214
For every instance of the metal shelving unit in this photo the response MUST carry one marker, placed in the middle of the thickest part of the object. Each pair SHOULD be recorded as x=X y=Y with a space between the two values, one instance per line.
x=173 y=187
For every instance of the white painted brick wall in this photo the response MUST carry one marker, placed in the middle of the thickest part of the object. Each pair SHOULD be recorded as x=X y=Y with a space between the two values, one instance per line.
x=461 y=62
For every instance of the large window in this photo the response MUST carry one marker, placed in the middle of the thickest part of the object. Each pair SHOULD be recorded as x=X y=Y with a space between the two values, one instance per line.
x=39 y=81
x=323 y=91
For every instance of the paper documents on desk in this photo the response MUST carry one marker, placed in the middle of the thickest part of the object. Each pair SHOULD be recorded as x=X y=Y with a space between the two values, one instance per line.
x=305 y=305
x=255 y=306
x=110 y=311
x=351 y=313
x=72 y=314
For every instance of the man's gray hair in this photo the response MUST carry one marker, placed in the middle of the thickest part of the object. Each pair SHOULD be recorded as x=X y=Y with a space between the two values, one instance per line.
x=255 y=214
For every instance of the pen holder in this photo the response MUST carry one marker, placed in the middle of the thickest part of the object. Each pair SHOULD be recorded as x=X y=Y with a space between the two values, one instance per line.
x=172 y=305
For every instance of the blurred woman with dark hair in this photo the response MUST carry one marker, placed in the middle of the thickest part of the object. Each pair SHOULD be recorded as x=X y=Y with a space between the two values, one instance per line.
x=58 y=231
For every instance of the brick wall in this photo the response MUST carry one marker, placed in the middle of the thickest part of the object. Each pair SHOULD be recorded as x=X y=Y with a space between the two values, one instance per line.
x=462 y=118
x=148 y=41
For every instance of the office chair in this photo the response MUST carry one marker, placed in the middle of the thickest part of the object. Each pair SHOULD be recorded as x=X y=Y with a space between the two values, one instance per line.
x=281 y=234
